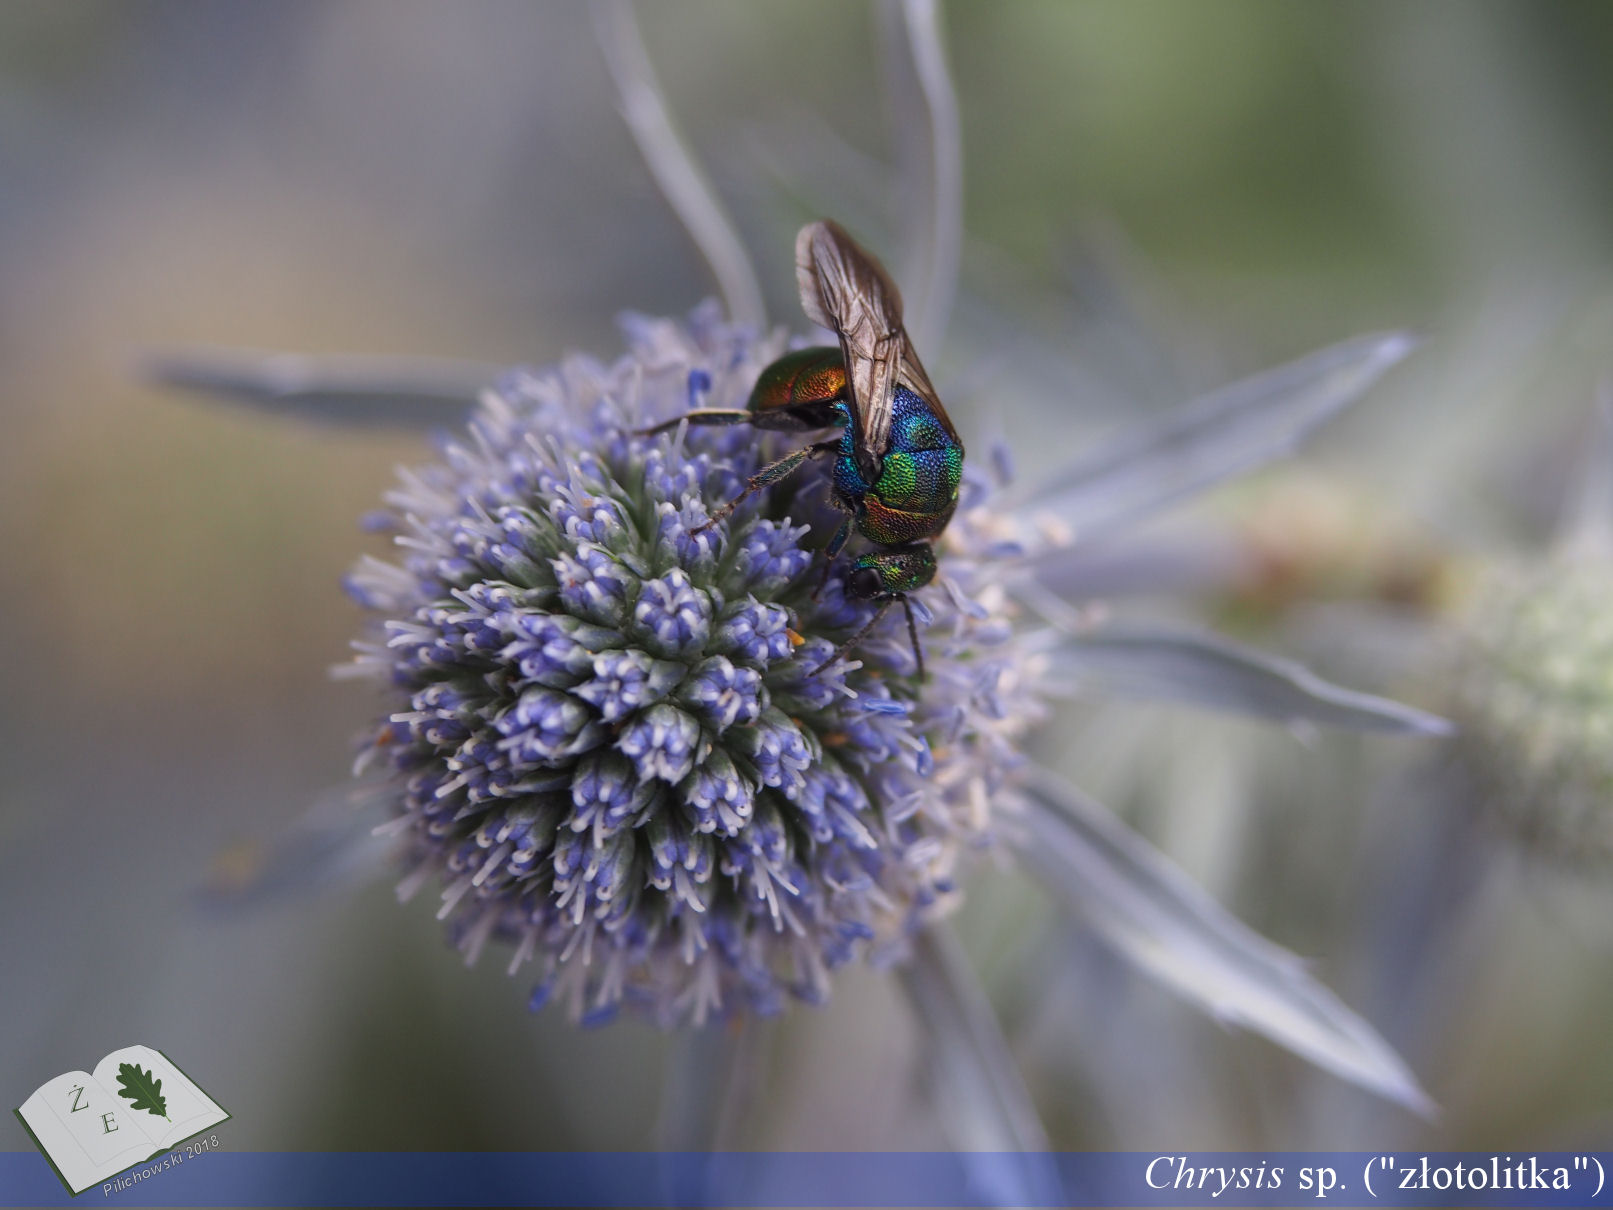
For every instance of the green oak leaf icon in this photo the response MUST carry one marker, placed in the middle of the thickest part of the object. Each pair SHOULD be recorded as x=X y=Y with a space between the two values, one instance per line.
x=142 y=1089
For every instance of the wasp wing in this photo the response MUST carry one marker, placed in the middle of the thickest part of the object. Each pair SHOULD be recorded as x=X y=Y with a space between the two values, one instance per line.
x=845 y=290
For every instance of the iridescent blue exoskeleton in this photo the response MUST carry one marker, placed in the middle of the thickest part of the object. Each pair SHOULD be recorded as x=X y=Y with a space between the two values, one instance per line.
x=898 y=462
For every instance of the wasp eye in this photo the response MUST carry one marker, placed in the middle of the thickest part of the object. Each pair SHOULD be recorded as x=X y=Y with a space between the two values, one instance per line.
x=864 y=583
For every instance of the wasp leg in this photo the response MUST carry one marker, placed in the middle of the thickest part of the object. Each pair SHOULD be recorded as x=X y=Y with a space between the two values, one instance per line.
x=884 y=608
x=769 y=475
x=840 y=651
x=913 y=634
x=699 y=416
x=831 y=552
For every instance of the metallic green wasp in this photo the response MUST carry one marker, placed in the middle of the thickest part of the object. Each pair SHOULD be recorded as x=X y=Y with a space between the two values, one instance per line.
x=898 y=462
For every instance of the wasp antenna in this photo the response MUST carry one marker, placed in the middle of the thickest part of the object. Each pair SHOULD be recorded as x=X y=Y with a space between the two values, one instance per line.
x=913 y=634
x=656 y=429
x=698 y=416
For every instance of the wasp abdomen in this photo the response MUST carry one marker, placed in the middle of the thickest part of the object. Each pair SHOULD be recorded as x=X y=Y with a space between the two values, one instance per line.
x=919 y=476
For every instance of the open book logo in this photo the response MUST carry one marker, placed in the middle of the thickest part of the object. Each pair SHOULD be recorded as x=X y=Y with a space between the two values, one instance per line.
x=133 y=1108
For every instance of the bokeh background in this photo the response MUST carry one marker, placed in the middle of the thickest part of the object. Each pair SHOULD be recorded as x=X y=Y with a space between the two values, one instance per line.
x=1161 y=195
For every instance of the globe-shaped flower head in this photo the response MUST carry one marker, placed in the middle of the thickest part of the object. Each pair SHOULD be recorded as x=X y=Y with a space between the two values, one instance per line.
x=618 y=738
x=1535 y=698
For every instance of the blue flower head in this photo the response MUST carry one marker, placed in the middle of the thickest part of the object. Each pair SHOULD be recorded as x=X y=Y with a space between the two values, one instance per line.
x=612 y=735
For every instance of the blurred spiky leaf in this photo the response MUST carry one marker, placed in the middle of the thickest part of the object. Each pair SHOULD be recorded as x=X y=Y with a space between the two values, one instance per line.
x=1203 y=670
x=362 y=391
x=1156 y=917
x=1224 y=433
x=978 y=1089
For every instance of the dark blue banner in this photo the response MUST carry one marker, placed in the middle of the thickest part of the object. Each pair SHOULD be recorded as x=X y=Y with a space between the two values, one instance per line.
x=830 y=1179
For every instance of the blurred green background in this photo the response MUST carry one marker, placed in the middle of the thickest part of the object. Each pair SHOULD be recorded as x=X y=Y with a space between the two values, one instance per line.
x=1161 y=195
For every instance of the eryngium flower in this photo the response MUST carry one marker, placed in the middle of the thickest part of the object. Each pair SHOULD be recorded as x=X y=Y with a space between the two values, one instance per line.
x=614 y=737
x=1535 y=703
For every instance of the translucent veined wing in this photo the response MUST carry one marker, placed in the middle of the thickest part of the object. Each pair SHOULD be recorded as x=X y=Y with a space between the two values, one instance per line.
x=847 y=291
